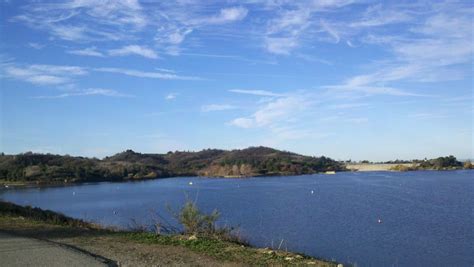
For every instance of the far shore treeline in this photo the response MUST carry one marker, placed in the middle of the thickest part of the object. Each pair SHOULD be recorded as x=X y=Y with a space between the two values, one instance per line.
x=130 y=165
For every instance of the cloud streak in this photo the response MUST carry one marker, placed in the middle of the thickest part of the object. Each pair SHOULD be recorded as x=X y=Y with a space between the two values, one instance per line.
x=217 y=107
x=255 y=92
x=43 y=74
x=89 y=51
x=147 y=74
x=86 y=92
x=134 y=50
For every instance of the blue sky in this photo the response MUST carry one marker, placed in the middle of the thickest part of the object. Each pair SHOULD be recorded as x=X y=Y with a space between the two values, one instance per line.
x=346 y=79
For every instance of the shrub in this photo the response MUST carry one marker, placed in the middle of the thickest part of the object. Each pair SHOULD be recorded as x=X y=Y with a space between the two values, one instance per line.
x=196 y=222
x=403 y=168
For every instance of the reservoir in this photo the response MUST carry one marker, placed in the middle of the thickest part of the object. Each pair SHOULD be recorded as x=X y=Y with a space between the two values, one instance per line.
x=422 y=218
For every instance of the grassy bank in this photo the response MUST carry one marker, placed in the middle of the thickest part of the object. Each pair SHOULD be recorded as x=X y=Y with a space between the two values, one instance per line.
x=143 y=248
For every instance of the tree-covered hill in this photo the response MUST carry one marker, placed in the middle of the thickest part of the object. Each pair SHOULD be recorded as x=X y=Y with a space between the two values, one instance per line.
x=128 y=165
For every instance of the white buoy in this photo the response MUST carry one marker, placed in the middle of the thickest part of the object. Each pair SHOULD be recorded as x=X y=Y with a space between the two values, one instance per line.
x=190 y=183
x=312 y=191
x=379 y=221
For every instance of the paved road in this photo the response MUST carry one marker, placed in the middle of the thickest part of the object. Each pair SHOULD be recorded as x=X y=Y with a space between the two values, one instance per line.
x=21 y=251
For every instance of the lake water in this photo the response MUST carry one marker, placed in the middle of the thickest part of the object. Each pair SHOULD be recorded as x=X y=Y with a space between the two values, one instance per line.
x=426 y=218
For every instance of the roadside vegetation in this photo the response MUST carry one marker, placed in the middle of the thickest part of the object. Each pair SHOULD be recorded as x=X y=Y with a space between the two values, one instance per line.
x=37 y=214
x=201 y=243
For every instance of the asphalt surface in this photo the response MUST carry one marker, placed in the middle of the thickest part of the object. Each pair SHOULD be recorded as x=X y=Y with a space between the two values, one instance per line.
x=22 y=251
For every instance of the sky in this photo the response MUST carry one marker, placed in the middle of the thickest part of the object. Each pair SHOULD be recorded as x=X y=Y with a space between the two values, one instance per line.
x=345 y=79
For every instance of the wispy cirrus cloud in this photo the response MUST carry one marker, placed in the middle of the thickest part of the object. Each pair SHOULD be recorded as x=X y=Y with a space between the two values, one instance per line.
x=432 y=51
x=378 y=15
x=89 y=51
x=280 y=111
x=43 y=74
x=171 y=96
x=66 y=20
x=86 y=92
x=225 y=15
x=147 y=74
x=36 y=46
x=134 y=50
x=117 y=21
x=47 y=75
x=217 y=107
x=179 y=20
x=283 y=118
x=255 y=92
x=296 y=22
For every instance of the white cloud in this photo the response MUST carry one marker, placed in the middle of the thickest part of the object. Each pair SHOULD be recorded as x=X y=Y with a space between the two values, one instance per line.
x=217 y=107
x=227 y=15
x=69 y=33
x=280 y=45
x=330 y=30
x=89 y=51
x=369 y=90
x=242 y=122
x=283 y=119
x=171 y=96
x=296 y=21
x=274 y=113
x=432 y=51
x=378 y=15
x=172 y=35
x=178 y=21
x=255 y=92
x=112 y=19
x=165 y=70
x=43 y=74
x=145 y=74
x=36 y=46
x=87 y=92
x=134 y=50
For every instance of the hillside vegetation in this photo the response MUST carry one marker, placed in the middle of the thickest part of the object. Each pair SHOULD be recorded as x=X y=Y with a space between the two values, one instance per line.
x=129 y=165
x=440 y=163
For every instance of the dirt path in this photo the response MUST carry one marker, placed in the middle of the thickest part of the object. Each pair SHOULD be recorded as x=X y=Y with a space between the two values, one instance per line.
x=22 y=251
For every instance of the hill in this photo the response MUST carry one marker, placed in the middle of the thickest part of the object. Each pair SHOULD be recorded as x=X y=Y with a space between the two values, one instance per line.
x=129 y=165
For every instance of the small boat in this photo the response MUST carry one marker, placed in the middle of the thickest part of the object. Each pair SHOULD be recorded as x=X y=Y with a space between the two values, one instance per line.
x=330 y=172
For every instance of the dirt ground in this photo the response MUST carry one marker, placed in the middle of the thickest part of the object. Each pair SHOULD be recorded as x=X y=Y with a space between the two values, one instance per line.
x=121 y=251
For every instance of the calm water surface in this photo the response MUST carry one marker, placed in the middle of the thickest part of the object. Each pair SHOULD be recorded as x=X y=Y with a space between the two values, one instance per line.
x=427 y=217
